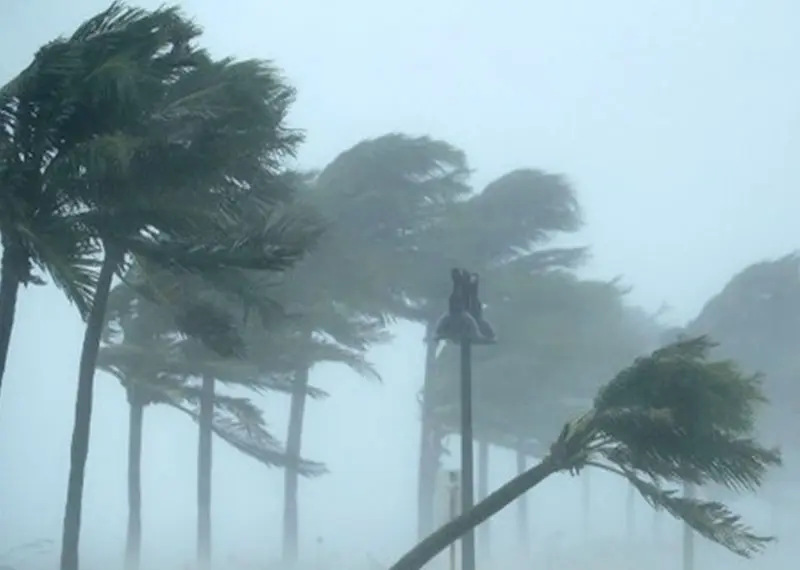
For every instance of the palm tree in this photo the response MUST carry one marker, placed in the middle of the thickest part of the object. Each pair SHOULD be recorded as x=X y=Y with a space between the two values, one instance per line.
x=189 y=137
x=287 y=350
x=377 y=196
x=155 y=365
x=672 y=417
x=73 y=93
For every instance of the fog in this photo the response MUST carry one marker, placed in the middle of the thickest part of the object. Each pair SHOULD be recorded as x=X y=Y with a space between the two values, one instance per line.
x=678 y=124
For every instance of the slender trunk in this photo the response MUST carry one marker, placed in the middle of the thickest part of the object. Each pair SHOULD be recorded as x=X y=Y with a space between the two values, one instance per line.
x=428 y=446
x=467 y=460
x=9 y=288
x=291 y=478
x=586 y=502
x=204 y=464
x=523 y=524
x=630 y=512
x=689 y=492
x=79 y=450
x=133 y=545
x=658 y=520
x=439 y=540
x=485 y=530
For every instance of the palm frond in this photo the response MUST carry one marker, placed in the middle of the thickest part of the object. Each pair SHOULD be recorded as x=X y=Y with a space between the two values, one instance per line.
x=711 y=519
x=651 y=441
x=276 y=246
x=252 y=440
x=71 y=259
x=701 y=395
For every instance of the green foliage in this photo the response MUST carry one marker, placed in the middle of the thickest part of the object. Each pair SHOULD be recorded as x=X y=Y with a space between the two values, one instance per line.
x=79 y=92
x=156 y=149
x=559 y=337
x=379 y=197
x=511 y=218
x=753 y=318
x=641 y=428
x=676 y=416
x=157 y=365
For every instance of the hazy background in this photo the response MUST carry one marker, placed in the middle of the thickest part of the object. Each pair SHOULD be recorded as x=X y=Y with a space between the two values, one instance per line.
x=677 y=121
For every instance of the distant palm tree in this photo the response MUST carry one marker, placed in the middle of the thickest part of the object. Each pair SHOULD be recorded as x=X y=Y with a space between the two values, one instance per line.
x=377 y=196
x=646 y=426
x=144 y=350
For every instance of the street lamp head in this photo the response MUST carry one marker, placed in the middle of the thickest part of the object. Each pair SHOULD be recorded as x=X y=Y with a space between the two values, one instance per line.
x=464 y=319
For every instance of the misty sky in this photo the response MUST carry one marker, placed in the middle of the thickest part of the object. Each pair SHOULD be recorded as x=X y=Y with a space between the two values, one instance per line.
x=677 y=121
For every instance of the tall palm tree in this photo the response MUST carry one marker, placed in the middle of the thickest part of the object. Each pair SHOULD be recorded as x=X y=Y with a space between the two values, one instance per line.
x=155 y=365
x=377 y=197
x=672 y=417
x=190 y=136
x=72 y=94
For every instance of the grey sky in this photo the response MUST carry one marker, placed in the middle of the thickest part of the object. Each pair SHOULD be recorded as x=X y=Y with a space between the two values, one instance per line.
x=677 y=121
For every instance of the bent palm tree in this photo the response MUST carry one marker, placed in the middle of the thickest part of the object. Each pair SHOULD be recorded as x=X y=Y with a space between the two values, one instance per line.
x=64 y=99
x=377 y=196
x=672 y=417
x=142 y=348
x=167 y=186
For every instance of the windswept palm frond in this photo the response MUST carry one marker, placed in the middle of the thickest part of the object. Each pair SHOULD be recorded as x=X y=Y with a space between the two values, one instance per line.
x=68 y=256
x=276 y=246
x=711 y=519
x=331 y=352
x=530 y=204
x=167 y=365
x=722 y=397
x=253 y=440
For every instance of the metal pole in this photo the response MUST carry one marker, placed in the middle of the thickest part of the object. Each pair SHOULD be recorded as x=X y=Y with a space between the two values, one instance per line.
x=467 y=477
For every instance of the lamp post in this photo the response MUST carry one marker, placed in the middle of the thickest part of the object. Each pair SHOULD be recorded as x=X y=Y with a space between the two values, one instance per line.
x=464 y=324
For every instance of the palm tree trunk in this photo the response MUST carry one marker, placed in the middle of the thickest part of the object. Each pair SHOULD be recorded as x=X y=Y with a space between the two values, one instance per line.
x=658 y=520
x=9 y=288
x=630 y=512
x=133 y=544
x=689 y=492
x=204 y=474
x=428 y=446
x=523 y=524
x=586 y=502
x=79 y=450
x=485 y=529
x=291 y=481
x=424 y=551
